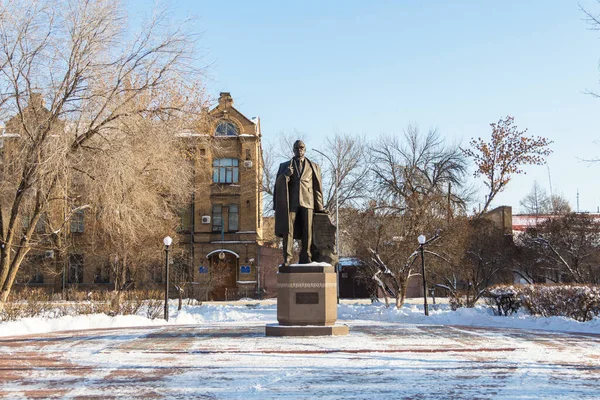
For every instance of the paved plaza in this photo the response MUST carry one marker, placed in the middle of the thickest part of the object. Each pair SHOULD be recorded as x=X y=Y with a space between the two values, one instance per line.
x=235 y=360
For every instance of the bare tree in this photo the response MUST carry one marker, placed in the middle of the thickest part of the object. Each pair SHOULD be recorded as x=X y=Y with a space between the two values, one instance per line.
x=536 y=202
x=135 y=181
x=350 y=165
x=471 y=255
x=422 y=177
x=593 y=21
x=348 y=154
x=386 y=252
x=504 y=156
x=75 y=57
x=559 y=204
x=568 y=248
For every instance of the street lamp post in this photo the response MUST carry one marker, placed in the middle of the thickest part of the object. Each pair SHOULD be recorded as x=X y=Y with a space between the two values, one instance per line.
x=422 y=241
x=167 y=242
x=337 y=218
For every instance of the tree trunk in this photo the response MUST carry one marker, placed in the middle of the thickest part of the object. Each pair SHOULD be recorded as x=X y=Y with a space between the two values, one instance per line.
x=401 y=294
x=387 y=300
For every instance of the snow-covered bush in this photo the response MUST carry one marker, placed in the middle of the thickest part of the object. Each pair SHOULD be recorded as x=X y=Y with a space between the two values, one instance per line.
x=29 y=302
x=579 y=302
x=455 y=302
x=504 y=300
x=35 y=303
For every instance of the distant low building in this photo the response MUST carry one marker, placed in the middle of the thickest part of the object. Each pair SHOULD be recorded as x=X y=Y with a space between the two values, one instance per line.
x=353 y=284
x=522 y=222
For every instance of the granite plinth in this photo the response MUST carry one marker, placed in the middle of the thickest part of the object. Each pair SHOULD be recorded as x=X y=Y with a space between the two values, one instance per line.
x=307 y=298
x=307 y=301
x=306 y=330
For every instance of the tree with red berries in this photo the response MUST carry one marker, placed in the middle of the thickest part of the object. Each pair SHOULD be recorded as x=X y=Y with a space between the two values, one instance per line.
x=504 y=156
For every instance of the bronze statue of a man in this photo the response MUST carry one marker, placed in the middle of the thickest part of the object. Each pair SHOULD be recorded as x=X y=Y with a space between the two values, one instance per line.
x=298 y=193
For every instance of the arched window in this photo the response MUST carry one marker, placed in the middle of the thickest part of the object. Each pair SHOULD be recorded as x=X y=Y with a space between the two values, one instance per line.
x=226 y=128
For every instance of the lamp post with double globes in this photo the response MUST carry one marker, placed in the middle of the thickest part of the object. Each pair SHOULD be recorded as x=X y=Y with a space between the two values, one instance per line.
x=422 y=239
x=167 y=242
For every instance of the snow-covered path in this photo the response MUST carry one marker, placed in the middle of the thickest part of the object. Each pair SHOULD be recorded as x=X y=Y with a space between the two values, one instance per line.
x=234 y=360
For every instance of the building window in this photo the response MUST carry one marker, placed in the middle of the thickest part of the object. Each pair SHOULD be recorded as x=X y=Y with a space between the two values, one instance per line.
x=225 y=218
x=77 y=221
x=36 y=264
x=217 y=218
x=226 y=170
x=102 y=274
x=75 y=268
x=233 y=218
x=226 y=128
x=185 y=219
x=40 y=226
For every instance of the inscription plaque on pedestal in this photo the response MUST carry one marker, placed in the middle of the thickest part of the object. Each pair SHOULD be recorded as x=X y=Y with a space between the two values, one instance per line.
x=306 y=302
x=307 y=298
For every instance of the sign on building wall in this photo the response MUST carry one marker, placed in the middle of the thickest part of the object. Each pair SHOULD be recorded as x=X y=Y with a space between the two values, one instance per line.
x=244 y=269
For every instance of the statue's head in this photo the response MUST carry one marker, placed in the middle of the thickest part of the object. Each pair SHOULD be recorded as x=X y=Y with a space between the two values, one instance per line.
x=299 y=149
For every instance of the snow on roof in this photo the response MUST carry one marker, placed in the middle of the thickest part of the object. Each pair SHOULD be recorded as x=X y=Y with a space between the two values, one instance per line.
x=522 y=222
x=232 y=241
x=191 y=134
x=312 y=264
x=349 y=262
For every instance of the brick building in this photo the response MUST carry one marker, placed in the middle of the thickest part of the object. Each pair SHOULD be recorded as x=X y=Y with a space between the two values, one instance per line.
x=223 y=226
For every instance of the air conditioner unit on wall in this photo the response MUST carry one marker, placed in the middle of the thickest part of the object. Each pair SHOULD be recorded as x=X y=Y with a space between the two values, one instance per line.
x=206 y=219
x=248 y=163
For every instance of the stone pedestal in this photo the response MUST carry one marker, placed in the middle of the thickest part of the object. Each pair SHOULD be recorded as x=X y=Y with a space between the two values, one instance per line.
x=306 y=301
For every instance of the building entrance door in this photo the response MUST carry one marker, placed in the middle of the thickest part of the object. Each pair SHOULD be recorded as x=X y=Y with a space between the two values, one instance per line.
x=223 y=268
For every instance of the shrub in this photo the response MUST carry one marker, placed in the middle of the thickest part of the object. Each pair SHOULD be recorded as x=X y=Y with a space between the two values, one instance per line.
x=503 y=300
x=455 y=303
x=579 y=302
x=35 y=302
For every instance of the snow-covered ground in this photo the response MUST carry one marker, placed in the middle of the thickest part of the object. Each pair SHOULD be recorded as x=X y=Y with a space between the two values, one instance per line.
x=220 y=351
x=266 y=311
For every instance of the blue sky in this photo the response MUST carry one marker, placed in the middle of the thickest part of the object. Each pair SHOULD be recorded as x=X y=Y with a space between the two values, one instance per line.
x=372 y=68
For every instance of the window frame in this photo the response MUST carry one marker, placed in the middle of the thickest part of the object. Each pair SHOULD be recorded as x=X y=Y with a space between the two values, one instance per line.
x=226 y=128
x=77 y=223
x=233 y=218
x=76 y=262
x=226 y=171
x=230 y=218
x=217 y=215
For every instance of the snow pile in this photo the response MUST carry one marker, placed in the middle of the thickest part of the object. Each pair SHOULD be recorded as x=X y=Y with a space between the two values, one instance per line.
x=477 y=316
x=266 y=312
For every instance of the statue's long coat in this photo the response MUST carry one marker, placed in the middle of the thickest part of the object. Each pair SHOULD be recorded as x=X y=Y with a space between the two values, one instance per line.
x=311 y=196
